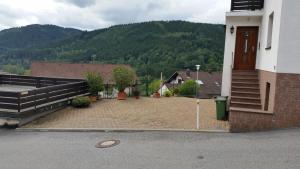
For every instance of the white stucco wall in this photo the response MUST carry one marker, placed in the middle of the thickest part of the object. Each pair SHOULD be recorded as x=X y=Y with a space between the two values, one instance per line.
x=177 y=80
x=266 y=59
x=289 y=40
x=163 y=89
x=230 y=46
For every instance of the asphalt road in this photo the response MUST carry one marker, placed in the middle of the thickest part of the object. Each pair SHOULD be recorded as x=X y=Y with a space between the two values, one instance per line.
x=150 y=150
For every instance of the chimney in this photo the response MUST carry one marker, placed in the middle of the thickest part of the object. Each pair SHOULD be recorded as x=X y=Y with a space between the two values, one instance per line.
x=188 y=72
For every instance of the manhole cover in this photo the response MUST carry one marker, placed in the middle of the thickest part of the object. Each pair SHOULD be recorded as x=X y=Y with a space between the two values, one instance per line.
x=200 y=157
x=107 y=143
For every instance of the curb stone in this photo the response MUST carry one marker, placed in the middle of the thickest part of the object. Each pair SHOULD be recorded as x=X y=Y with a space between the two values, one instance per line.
x=114 y=130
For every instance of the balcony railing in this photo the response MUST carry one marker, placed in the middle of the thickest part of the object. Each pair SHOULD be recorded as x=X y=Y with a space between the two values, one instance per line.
x=242 y=5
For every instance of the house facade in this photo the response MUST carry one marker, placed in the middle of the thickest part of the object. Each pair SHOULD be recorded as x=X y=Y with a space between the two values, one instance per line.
x=261 y=72
x=210 y=82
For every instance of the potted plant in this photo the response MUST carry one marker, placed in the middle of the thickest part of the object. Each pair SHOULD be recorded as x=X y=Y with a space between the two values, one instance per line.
x=156 y=95
x=154 y=87
x=136 y=93
x=123 y=77
x=95 y=85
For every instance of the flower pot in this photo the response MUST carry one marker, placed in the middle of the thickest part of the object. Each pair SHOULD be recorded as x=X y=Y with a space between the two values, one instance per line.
x=156 y=95
x=99 y=98
x=93 y=98
x=122 y=96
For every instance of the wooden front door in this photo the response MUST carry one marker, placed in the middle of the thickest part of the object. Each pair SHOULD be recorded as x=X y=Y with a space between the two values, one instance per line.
x=245 y=48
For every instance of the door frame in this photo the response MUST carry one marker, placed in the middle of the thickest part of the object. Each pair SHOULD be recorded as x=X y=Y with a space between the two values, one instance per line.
x=236 y=39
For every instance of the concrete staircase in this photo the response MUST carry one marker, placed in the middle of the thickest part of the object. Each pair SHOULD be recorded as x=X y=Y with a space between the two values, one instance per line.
x=245 y=92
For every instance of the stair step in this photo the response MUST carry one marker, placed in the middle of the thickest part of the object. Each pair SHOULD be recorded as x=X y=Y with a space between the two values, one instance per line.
x=245 y=84
x=245 y=105
x=245 y=94
x=247 y=110
x=245 y=88
x=245 y=99
x=245 y=81
x=240 y=92
x=247 y=77
x=244 y=78
x=245 y=73
x=241 y=97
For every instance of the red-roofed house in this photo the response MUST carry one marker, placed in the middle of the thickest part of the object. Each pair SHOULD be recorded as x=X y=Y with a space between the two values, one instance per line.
x=78 y=71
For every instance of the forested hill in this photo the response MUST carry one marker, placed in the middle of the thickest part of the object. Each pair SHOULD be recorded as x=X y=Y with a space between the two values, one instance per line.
x=34 y=36
x=152 y=47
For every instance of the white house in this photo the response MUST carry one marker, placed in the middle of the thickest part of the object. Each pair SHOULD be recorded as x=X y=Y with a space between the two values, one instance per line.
x=210 y=82
x=261 y=72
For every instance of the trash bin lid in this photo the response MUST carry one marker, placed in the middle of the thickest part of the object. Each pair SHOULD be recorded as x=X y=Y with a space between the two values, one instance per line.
x=221 y=98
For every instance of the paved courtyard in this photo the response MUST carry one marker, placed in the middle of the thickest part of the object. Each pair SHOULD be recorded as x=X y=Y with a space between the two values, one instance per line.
x=144 y=113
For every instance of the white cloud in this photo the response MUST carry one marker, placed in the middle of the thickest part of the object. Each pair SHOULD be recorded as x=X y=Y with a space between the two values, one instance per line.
x=94 y=14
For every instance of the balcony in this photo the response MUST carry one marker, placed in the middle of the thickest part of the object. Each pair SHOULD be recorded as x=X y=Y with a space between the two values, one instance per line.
x=244 y=5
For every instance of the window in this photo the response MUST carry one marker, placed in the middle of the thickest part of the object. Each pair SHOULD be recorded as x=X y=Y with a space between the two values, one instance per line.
x=267 y=96
x=270 y=31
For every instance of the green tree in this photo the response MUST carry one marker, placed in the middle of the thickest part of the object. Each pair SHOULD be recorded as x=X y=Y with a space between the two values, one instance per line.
x=14 y=69
x=95 y=83
x=189 y=88
x=154 y=86
x=123 y=77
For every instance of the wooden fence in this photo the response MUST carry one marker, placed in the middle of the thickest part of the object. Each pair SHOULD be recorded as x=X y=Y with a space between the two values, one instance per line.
x=50 y=93
x=33 y=81
x=238 y=5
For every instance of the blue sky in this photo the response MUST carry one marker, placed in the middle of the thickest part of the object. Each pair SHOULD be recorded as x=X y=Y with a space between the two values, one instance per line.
x=95 y=14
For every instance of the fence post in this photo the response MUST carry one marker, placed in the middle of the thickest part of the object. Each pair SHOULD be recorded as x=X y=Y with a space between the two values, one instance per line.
x=38 y=82
x=252 y=5
x=262 y=4
x=19 y=102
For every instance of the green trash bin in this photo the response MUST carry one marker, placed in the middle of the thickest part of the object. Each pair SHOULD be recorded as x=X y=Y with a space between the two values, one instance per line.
x=221 y=107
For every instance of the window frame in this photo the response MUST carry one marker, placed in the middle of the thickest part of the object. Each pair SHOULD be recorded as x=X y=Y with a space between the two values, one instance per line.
x=270 y=31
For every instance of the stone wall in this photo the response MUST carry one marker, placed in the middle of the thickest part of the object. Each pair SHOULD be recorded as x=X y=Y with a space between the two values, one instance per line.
x=286 y=107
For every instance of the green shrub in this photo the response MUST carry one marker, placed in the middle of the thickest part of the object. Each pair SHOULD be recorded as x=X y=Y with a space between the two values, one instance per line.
x=81 y=102
x=189 y=88
x=123 y=77
x=14 y=69
x=95 y=83
x=175 y=91
x=167 y=94
x=154 y=86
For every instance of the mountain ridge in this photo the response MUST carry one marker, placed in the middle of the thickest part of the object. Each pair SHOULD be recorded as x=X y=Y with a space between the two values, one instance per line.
x=150 y=47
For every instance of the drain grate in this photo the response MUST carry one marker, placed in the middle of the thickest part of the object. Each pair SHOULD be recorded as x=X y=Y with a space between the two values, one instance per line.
x=107 y=143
